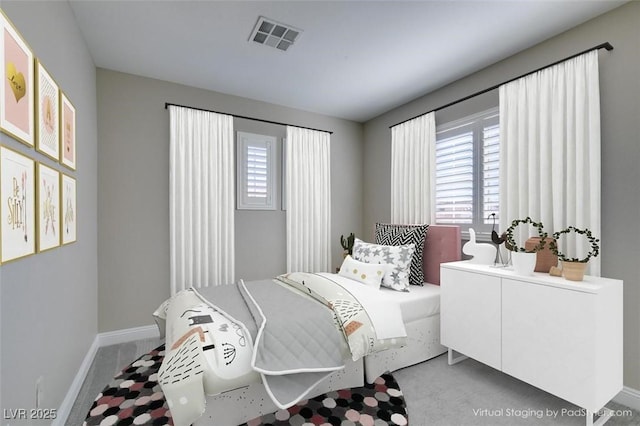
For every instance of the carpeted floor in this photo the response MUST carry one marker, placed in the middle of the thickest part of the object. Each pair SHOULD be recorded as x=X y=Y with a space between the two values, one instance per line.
x=473 y=394
x=134 y=398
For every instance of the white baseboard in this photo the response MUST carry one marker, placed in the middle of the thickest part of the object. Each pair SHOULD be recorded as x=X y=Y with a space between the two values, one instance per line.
x=127 y=335
x=101 y=339
x=74 y=389
x=629 y=397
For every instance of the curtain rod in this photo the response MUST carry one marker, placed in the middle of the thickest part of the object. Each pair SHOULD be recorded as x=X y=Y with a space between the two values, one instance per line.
x=166 y=105
x=606 y=45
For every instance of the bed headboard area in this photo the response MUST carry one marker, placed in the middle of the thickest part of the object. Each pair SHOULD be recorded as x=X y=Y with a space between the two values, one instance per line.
x=441 y=245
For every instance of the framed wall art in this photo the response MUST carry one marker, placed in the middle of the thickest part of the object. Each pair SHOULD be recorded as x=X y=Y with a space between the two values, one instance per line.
x=48 y=202
x=47 y=113
x=67 y=132
x=16 y=89
x=17 y=205
x=69 y=213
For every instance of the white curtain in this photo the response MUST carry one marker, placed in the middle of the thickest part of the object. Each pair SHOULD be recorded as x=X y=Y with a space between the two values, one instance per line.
x=550 y=150
x=308 y=200
x=413 y=165
x=201 y=198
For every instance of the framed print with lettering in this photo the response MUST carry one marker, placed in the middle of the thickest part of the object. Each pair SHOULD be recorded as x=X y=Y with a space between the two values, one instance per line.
x=16 y=89
x=47 y=113
x=69 y=213
x=17 y=206
x=67 y=132
x=48 y=201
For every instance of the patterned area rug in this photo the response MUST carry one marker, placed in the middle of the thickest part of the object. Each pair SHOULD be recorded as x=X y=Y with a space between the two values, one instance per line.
x=378 y=404
x=135 y=398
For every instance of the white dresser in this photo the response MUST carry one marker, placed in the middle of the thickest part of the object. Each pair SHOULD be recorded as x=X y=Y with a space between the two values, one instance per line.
x=564 y=337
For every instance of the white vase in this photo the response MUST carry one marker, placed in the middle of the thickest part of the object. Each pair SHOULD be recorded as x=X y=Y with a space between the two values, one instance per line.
x=523 y=263
x=483 y=254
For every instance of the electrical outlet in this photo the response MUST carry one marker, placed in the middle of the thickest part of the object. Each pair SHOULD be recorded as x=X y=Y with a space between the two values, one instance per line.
x=39 y=390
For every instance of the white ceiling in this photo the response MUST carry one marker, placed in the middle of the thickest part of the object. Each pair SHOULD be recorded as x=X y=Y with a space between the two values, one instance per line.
x=354 y=59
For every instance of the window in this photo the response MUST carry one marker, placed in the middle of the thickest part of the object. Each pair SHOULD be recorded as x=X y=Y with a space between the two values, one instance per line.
x=256 y=172
x=467 y=171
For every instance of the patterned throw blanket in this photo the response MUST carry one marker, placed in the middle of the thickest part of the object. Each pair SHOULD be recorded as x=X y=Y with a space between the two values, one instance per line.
x=225 y=337
x=369 y=322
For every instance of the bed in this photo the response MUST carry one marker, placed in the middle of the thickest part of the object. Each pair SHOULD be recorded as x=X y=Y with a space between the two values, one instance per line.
x=420 y=315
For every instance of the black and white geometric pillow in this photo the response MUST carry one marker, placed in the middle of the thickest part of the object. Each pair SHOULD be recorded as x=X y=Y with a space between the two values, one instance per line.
x=398 y=257
x=398 y=235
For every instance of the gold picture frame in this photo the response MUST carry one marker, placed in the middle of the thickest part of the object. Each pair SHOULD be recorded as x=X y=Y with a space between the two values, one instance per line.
x=48 y=202
x=16 y=89
x=67 y=132
x=47 y=105
x=69 y=214
x=17 y=205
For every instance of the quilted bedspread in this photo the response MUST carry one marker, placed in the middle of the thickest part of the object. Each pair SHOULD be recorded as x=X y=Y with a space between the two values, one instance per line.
x=290 y=333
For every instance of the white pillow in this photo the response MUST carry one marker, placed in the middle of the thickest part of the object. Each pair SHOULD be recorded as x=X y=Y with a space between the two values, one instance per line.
x=398 y=256
x=366 y=273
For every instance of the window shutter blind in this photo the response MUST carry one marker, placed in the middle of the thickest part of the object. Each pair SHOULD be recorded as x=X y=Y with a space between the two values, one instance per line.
x=257 y=171
x=454 y=179
x=491 y=172
x=256 y=178
x=468 y=171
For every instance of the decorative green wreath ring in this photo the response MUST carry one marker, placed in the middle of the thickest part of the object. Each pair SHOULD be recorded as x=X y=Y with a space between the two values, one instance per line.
x=595 y=247
x=511 y=243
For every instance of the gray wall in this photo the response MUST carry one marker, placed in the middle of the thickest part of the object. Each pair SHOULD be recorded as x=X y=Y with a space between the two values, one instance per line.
x=49 y=300
x=260 y=245
x=620 y=100
x=133 y=191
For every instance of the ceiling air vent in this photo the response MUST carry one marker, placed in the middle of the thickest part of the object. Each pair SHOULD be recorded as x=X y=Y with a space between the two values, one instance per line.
x=274 y=34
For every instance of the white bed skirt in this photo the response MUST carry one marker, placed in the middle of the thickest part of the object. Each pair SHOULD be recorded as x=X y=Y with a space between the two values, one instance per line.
x=423 y=343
